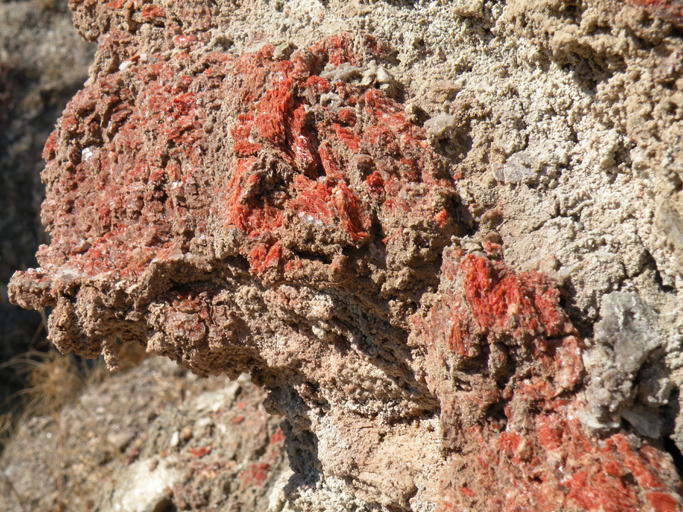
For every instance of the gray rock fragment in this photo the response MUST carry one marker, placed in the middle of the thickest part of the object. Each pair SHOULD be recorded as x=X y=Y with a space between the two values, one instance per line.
x=120 y=440
x=369 y=75
x=519 y=168
x=624 y=339
x=284 y=50
x=440 y=127
x=645 y=420
x=387 y=82
x=655 y=386
x=344 y=73
x=141 y=489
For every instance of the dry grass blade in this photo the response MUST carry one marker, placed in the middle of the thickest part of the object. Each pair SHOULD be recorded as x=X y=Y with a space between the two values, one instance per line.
x=54 y=380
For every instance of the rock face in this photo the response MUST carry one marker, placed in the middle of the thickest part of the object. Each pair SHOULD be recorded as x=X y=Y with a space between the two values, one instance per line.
x=434 y=249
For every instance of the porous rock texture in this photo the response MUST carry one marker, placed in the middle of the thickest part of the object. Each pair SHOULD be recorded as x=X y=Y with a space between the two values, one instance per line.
x=445 y=236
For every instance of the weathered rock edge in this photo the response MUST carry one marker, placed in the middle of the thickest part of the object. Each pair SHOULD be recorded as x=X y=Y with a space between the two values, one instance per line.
x=279 y=212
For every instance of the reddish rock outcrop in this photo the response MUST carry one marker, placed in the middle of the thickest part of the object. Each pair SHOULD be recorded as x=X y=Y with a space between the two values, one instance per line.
x=283 y=214
x=506 y=364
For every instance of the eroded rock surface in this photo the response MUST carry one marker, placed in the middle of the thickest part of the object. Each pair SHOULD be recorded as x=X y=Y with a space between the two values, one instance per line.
x=443 y=237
